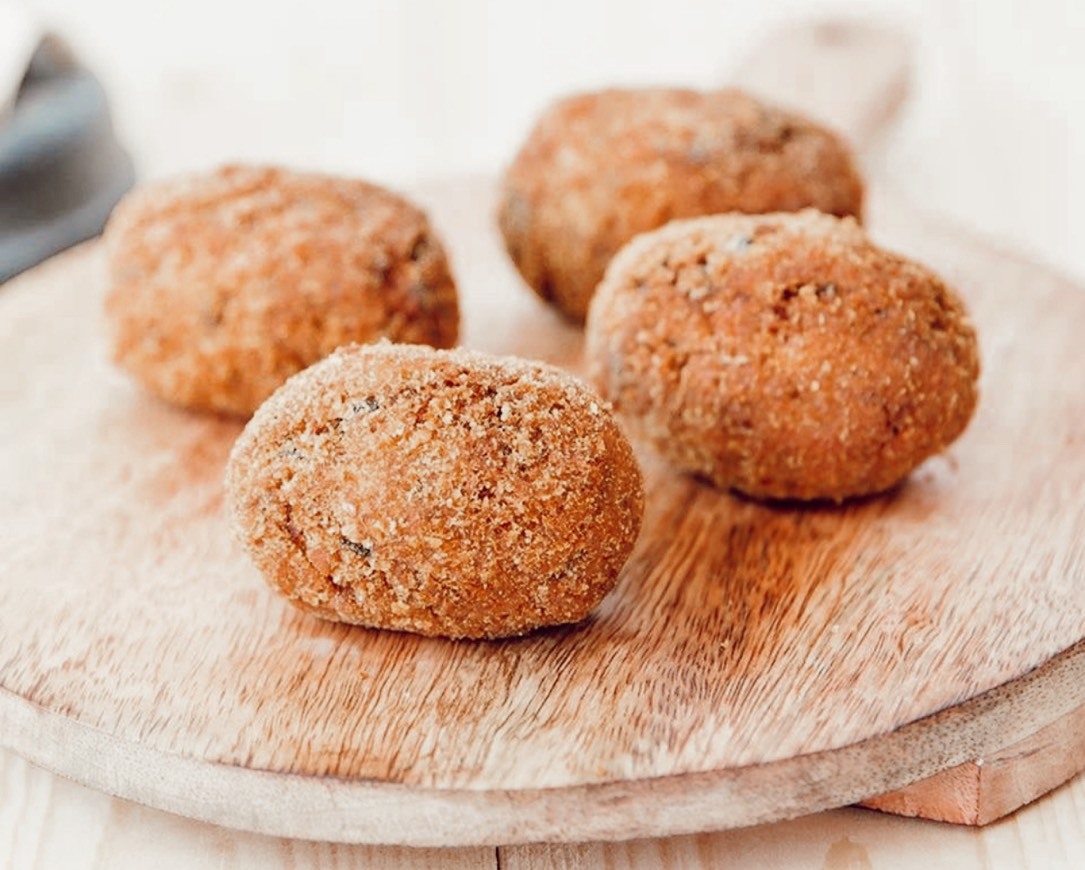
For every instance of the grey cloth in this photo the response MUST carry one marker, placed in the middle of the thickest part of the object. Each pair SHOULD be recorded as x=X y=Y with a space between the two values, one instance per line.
x=61 y=168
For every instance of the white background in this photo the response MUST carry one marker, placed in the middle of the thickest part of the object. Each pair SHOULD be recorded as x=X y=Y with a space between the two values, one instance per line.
x=399 y=91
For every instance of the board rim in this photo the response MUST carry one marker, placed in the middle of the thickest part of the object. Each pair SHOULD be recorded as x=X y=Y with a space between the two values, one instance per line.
x=368 y=811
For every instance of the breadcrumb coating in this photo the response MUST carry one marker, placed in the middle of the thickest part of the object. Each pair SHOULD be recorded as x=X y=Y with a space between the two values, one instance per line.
x=599 y=168
x=783 y=355
x=439 y=492
x=225 y=284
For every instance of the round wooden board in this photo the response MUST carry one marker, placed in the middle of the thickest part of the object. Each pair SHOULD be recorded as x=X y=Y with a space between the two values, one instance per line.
x=755 y=662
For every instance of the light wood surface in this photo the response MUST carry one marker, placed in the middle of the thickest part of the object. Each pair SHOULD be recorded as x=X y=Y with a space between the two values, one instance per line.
x=980 y=791
x=54 y=823
x=755 y=662
x=850 y=73
x=47 y=822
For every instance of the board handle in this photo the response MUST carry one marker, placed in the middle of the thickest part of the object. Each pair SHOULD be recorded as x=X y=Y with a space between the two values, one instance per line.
x=852 y=75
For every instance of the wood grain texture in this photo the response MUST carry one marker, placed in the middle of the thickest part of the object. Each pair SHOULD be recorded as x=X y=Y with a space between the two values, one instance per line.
x=50 y=823
x=980 y=791
x=1049 y=835
x=756 y=662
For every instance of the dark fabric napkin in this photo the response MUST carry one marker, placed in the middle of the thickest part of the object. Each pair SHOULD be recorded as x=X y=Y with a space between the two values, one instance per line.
x=61 y=168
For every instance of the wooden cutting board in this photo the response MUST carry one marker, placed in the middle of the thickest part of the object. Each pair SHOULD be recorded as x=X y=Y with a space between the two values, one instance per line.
x=755 y=662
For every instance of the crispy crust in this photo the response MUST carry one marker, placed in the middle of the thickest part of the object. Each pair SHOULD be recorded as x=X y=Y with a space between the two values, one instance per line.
x=599 y=168
x=224 y=285
x=783 y=355
x=439 y=492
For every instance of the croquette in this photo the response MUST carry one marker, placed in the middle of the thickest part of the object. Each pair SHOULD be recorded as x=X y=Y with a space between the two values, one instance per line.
x=445 y=493
x=225 y=284
x=598 y=168
x=785 y=355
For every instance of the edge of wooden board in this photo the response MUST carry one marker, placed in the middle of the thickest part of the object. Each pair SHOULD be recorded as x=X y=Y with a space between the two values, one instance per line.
x=363 y=811
x=987 y=789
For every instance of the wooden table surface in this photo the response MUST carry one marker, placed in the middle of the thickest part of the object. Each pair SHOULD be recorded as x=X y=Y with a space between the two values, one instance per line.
x=49 y=822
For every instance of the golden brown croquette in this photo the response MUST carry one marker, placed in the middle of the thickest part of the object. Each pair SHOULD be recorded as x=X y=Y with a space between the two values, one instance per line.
x=225 y=284
x=599 y=168
x=783 y=355
x=439 y=492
